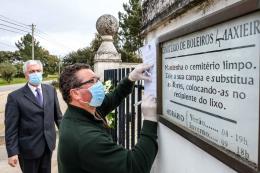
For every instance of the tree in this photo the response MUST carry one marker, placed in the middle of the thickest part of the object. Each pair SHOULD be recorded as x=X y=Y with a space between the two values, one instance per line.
x=129 y=56
x=50 y=62
x=84 y=55
x=25 y=47
x=7 y=56
x=95 y=43
x=129 y=31
x=7 y=71
x=13 y=58
x=19 y=69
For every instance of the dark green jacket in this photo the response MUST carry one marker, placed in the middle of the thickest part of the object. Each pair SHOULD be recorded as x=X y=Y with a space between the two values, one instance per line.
x=86 y=147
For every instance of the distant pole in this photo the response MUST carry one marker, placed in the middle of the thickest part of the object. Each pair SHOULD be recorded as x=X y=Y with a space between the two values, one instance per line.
x=33 y=26
x=59 y=64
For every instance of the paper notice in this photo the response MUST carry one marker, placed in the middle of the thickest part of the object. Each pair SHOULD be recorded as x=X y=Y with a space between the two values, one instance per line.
x=148 y=54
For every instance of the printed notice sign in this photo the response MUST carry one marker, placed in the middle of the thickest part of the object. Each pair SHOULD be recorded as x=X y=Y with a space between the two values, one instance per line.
x=148 y=54
x=211 y=84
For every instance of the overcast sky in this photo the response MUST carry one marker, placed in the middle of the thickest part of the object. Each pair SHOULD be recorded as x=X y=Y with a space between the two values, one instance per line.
x=61 y=25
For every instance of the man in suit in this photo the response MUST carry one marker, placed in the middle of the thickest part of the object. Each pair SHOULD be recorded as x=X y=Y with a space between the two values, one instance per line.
x=30 y=114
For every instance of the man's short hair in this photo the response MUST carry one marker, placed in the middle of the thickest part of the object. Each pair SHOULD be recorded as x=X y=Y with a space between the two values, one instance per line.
x=31 y=62
x=68 y=79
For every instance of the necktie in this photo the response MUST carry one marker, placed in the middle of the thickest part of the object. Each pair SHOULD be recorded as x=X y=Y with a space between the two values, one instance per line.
x=39 y=96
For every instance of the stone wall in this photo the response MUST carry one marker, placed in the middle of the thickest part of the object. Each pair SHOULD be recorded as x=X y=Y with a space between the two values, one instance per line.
x=157 y=12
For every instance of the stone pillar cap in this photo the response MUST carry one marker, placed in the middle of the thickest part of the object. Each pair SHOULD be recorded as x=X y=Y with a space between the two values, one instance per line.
x=107 y=25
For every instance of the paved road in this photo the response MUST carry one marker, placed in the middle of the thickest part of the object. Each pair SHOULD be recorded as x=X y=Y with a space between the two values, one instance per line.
x=10 y=87
x=16 y=86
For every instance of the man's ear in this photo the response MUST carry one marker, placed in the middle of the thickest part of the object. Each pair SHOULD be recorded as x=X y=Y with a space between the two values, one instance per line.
x=74 y=94
x=26 y=75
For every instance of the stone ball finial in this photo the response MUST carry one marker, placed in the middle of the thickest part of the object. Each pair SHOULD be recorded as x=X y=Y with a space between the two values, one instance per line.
x=107 y=25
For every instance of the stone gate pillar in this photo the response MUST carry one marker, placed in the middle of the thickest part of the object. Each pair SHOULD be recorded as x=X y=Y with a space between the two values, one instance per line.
x=107 y=56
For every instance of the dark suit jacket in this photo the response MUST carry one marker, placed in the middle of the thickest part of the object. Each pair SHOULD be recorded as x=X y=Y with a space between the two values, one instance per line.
x=28 y=126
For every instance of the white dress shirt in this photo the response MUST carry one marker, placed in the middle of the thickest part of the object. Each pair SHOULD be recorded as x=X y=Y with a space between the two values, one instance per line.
x=33 y=89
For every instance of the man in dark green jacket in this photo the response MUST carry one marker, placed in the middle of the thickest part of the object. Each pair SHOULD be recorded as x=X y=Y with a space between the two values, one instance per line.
x=84 y=144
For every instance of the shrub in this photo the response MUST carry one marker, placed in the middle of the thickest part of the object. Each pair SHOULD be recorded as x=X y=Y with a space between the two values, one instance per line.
x=19 y=68
x=55 y=83
x=111 y=116
x=7 y=71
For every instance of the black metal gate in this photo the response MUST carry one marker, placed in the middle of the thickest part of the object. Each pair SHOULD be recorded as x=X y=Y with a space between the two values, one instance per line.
x=128 y=117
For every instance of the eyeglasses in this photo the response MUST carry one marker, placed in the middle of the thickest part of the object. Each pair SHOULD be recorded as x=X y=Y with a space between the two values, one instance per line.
x=92 y=81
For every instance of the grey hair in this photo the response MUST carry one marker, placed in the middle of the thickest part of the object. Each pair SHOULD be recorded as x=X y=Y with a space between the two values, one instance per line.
x=31 y=62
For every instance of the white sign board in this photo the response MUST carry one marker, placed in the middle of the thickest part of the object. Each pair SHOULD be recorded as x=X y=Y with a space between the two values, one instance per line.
x=211 y=84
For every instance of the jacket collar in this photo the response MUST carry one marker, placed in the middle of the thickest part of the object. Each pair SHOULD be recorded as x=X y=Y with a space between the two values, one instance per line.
x=29 y=95
x=79 y=113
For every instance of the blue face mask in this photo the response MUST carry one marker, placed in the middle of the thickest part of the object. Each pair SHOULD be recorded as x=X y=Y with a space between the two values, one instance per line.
x=35 y=78
x=98 y=94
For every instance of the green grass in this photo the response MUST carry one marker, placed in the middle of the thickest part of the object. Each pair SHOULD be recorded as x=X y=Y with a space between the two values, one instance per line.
x=14 y=81
x=23 y=80
x=51 y=77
